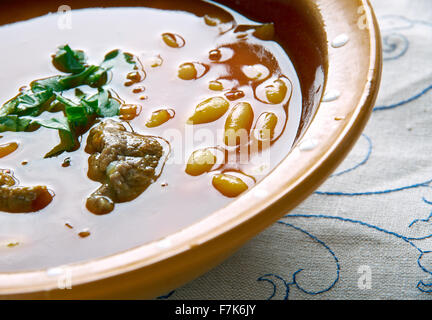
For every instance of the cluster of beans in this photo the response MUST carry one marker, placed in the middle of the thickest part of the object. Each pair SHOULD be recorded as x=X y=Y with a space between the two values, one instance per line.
x=239 y=121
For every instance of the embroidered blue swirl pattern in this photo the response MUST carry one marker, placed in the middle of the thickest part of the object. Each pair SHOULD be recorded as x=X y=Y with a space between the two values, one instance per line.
x=395 y=46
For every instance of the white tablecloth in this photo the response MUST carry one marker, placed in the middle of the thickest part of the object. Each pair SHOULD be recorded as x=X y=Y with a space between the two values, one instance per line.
x=367 y=232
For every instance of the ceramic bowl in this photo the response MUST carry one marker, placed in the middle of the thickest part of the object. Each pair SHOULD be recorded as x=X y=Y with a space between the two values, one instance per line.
x=335 y=39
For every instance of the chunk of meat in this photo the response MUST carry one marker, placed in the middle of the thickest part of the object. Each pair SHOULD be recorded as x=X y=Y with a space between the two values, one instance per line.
x=124 y=162
x=18 y=199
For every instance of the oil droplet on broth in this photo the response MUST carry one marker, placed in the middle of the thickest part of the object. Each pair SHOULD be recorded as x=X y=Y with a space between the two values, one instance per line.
x=192 y=70
x=138 y=89
x=256 y=72
x=84 y=234
x=66 y=162
x=68 y=225
x=13 y=244
x=155 y=62
x=129 y=111
x=234 y=94
x=7 y=149
x=173 y=40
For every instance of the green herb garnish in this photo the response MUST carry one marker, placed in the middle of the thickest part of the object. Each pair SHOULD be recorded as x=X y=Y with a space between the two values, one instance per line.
x=68 y=60
x=44 y=104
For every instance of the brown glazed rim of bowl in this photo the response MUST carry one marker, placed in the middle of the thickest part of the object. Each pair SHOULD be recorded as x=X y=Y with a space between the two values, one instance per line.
x=155 y=268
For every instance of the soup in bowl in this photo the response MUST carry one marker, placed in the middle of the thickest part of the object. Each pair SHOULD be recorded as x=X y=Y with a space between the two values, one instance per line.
x=156 y=137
